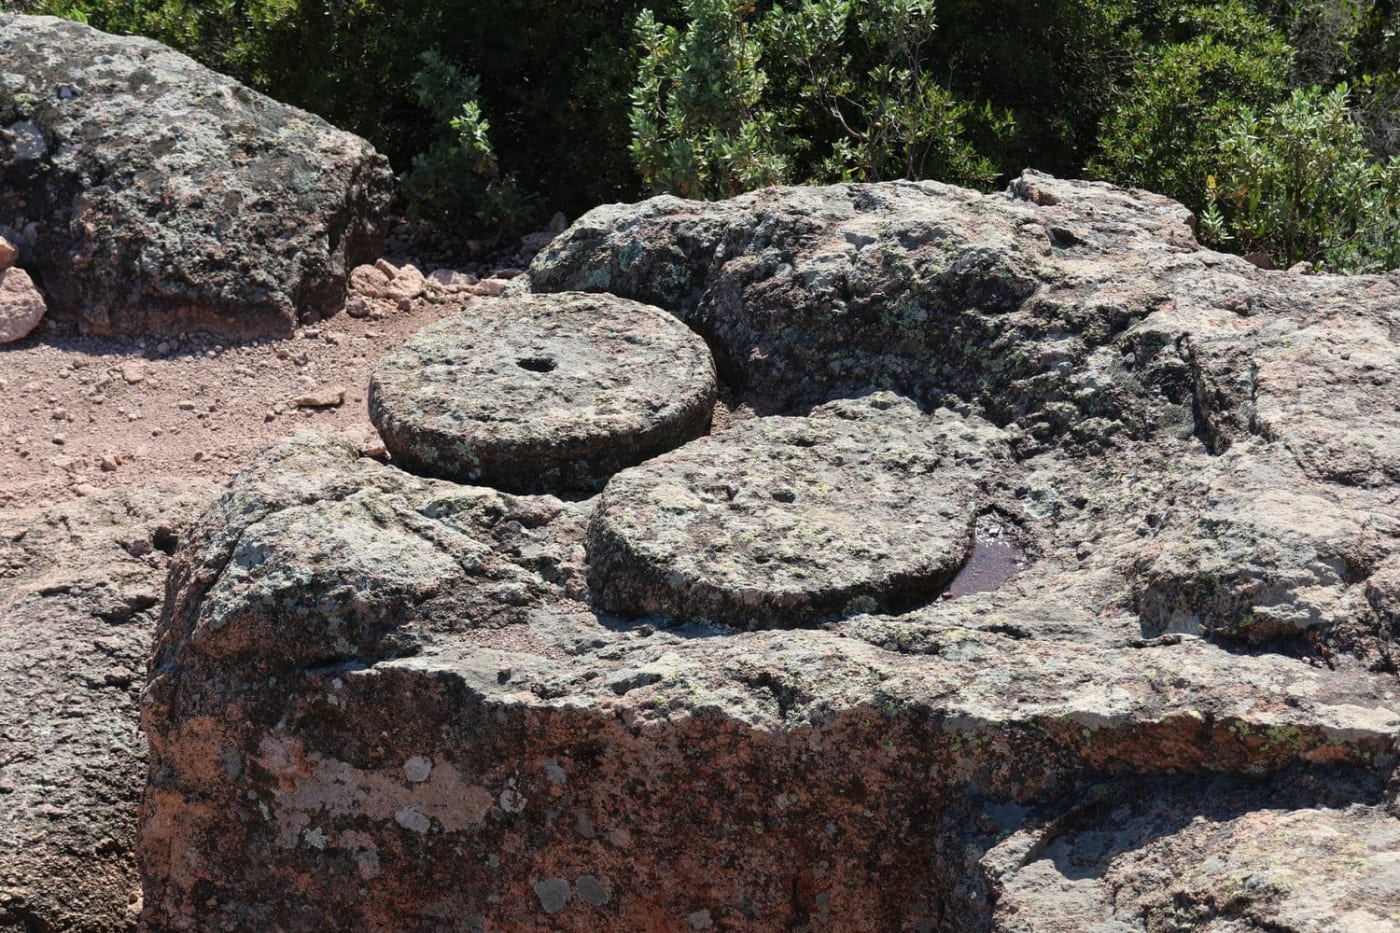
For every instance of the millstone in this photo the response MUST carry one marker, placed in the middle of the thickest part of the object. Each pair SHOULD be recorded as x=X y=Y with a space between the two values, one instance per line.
x=782 y=522
x=543 y=393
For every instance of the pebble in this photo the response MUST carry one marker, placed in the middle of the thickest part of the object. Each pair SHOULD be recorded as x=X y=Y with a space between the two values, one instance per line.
x=133 y=373
x=358 y=306
x=329 y=397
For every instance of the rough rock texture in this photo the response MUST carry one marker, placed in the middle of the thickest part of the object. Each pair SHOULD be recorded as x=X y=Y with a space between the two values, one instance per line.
x=385 y=702
x=149 y=194
x=1174 y=855
x=786 y=521
x=550 y=393
x=80 y=588
x=21 y=305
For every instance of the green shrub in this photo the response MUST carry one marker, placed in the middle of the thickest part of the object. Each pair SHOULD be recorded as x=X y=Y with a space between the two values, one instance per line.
x=859 y=81
x=699 y=127
x=1297 y=182
x=456 y=178
x=849 y=93
x=1055 y=66
x=1212 y=61
x=1356 y=42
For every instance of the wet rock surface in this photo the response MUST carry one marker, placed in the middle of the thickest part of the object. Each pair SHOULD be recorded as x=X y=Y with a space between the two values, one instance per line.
x=401 y=703
x=785 y=521
x=551 y=393
x=147 y=194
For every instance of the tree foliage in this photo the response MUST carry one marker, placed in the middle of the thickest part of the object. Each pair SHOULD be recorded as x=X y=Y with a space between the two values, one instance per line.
x=1297 y=182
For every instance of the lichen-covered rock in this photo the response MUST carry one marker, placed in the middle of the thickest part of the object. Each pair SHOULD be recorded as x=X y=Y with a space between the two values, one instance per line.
x=149 y=194
x=398 y=703
x=784 y=522
x=543 y=393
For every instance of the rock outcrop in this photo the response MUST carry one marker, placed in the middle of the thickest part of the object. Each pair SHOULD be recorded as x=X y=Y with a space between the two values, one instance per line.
x=80 y=590
x=383 y=701
x=148 y=194
x=21 y=305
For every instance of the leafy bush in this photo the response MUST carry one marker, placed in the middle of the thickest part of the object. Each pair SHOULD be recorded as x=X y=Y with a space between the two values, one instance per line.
x=1356 y=42
x=1213 y=61
x=860 y=74
x=731 y=94
x=852 y=95
x=699 y=127
x=457 y=178
x=1298 y=183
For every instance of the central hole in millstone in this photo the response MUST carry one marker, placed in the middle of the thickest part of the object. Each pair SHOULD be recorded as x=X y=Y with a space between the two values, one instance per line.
x=537 y=364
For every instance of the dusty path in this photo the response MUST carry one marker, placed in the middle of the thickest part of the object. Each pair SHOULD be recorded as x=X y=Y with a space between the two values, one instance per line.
x=85 y=414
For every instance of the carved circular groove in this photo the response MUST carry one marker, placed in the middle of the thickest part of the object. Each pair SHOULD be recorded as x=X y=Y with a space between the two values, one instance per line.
x=543 y=393
x=782 y=522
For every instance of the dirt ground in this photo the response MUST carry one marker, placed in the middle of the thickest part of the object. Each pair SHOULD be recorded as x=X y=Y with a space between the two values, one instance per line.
x=83 y=414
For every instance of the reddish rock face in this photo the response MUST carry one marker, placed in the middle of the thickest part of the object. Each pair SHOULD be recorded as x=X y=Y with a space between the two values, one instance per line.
x=385 y=702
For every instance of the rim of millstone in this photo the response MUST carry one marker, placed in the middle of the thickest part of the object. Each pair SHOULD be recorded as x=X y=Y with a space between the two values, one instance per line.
x=781 y=523
x=543 y=393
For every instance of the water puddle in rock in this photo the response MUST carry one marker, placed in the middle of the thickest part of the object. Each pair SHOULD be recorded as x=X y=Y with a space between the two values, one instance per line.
x=996 y=557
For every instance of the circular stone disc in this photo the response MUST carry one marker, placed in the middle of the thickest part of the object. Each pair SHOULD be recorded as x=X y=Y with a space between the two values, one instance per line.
x=782 y=522
x=543 y=393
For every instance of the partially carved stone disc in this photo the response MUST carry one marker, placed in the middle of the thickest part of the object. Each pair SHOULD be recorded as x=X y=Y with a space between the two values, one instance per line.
x=782 y=522
x=543 y=393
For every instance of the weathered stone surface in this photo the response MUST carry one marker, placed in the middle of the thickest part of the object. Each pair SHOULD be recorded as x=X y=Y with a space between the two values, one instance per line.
x=543 y=393
x=8 y=254
x=21 y=305
x=80 y=589
x=399 y=704
x=149 y=194
x=785 y=521
x=1204 y=855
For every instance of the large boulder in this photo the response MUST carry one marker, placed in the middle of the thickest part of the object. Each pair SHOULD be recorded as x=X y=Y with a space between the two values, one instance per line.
x=722 y=695
x=149 y=194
